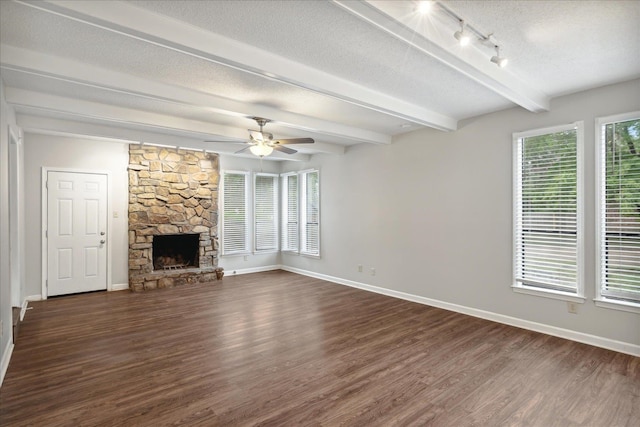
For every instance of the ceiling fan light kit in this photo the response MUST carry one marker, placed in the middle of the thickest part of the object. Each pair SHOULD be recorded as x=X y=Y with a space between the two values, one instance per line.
x=262 y=144
x=261 y=150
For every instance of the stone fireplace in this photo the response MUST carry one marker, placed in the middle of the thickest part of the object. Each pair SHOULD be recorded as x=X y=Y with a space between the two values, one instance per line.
x=173 y=217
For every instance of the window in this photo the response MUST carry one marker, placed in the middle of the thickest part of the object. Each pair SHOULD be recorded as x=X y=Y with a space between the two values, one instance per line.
x=618 y=208
x=235 y=212
x=266 y=212
x=289 y=239
x=548 y=211
x=310 y=213
x=301 y=212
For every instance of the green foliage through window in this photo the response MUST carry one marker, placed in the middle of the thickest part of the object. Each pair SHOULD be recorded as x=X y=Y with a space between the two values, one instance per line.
x=620 y=239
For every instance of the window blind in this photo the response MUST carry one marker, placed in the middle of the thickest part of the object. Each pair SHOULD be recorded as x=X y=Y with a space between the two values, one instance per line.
x=619 y=210
x=290 y=212
x=546 y=219
x=235 y=213
x=311 y=213
x=266 y=212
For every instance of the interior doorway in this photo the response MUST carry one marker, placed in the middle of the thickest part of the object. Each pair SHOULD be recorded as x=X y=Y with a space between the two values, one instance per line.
x=75 y=232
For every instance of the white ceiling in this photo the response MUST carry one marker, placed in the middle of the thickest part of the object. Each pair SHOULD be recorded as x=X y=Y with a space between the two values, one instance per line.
x=342 y=72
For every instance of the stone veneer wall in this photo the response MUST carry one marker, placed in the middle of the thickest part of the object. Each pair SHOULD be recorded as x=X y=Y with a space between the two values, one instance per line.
x=171 y=191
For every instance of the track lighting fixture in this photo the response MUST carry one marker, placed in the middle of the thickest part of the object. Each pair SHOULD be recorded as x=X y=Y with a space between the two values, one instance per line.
x=499 y=60
x=466 y=32
x=463 y=38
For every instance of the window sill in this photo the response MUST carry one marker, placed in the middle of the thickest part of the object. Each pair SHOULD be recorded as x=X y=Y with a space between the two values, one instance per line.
x=265 y=251
x=308 y=255
x=289 y=252
x=235 y=254
x=614 y=304
x=304 y=254
x=549 y=293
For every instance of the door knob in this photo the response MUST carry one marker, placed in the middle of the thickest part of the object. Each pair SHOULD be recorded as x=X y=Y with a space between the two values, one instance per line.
x=102 y=242
x=102 y=233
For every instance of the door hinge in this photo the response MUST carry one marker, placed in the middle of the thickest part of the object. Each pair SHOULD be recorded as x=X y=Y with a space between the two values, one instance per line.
x=46 y=234
x=46 y=284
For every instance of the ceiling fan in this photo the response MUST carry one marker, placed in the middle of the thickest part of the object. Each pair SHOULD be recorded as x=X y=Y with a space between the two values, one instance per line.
x=262 y=144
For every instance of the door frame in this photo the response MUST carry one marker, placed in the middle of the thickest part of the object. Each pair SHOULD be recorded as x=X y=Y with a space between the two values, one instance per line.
x=45 y=216
x=16 y=221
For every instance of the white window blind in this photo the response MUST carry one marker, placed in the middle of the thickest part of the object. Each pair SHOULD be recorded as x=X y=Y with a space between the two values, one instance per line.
x=619 y=209
x=235 y=212
x=547 y=214
x=266 y=212
x=289 y=240
x=310 y=212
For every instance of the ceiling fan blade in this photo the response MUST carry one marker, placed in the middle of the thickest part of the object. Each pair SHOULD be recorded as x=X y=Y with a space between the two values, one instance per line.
x=285 y=150
x=294 y=141
x=227 y=142
x=243 y=149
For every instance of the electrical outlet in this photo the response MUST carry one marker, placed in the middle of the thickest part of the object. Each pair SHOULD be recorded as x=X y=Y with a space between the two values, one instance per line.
x=359 y=268
x=246 y=257
x=373 y=271
x=572 y=307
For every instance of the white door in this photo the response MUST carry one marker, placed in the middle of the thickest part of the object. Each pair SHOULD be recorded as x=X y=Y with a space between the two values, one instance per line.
x=76 y=232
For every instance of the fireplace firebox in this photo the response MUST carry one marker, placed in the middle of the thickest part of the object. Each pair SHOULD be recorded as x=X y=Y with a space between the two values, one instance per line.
x=175 y=251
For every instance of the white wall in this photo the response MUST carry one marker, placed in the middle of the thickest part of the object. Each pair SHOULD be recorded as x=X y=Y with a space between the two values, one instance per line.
x=7 y=118
x=75 y=153
x=432 y=214
x=250 y=262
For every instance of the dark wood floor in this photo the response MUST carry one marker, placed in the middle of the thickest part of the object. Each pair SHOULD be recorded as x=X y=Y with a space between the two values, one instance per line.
x=281 y=349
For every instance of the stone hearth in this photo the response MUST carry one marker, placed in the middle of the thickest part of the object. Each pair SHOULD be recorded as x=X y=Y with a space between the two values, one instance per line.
x=171 y=192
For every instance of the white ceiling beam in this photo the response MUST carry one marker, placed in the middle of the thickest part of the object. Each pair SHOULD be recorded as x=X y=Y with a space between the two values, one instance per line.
x=53 y=67
x=44 y=104
x=131 y=21
x=116 y=114
x=399 y=19
x=75 y=129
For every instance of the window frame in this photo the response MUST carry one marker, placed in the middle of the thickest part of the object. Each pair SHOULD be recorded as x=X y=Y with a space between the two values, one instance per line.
x=302 y=207
x=549 y=292
x=248 y=213
x=284 y=220
x=276 y=212
x=600 y=299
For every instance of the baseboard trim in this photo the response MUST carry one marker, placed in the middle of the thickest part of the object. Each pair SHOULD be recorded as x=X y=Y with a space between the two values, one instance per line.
x=119 y=287
x=609 y=344
x=6 y=357
x=25 y=304
x=239 y=271
x=23 y=309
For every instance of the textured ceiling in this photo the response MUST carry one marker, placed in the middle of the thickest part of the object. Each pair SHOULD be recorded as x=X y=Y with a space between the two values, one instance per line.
x=343 y=72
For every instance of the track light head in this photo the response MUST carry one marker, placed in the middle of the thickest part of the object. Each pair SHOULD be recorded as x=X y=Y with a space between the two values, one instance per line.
x=499 y=60
x=463 y=38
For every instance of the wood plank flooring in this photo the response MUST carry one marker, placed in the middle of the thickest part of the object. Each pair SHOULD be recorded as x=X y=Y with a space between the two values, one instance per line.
x=280 y=349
